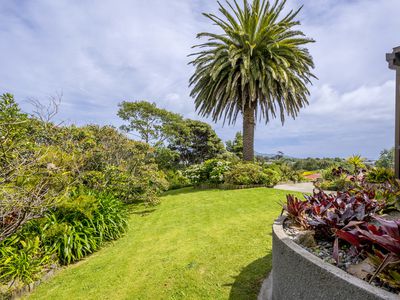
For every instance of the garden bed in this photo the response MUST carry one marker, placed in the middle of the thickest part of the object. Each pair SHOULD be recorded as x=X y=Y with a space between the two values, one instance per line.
x=299 y=274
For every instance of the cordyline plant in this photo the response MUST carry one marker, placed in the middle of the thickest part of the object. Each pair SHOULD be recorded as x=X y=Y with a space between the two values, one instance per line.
x=351 y=217
x=325 y=213
x=381 y=241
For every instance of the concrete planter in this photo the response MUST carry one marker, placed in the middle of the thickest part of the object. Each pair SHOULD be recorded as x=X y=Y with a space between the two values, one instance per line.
x=298 y=274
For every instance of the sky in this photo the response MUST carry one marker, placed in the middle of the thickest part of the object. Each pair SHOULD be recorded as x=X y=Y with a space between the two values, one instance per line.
x=99 y=53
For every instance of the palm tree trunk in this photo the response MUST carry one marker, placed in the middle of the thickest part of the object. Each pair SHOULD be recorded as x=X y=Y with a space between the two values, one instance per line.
x=248 y=133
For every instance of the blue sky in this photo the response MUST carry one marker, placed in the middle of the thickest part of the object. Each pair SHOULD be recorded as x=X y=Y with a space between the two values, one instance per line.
x=98 y=53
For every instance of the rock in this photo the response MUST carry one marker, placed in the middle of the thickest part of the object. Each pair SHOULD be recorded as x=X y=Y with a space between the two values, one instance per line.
x=306 y=238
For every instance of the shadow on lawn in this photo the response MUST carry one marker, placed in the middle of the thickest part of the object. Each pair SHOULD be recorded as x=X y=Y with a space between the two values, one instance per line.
x=248 y=283
x=186 y=190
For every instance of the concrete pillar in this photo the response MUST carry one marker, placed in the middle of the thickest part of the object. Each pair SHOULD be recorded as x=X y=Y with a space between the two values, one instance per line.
x=394 y=64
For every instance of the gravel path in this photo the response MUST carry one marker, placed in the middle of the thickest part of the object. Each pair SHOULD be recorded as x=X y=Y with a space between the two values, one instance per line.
x=304 y=187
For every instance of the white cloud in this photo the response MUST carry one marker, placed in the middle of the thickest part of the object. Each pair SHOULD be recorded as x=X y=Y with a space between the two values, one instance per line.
x=100 y=53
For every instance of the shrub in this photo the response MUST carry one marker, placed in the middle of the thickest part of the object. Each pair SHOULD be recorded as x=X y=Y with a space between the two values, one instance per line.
x=334 y=172
x=273 y=177
x=386 y=159
x=247 y=174
x=338 y=184
x=194 y=174
x=176 y=179
x=22 y=261
x=380 y=175
x=80 y=226
x=219 y=169
x=351 y=217
x=211 y=171
x=286 y=172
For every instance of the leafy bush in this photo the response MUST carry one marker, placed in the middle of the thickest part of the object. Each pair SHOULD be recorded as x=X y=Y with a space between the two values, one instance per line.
x=386 y=159
x=388 y=192
x=312 y=164
x=74 y=229
x=286 y=172
x=211 y=171
x=81 y=225
x=380 y=175
x=249 y=173
x=334 y=172
x=176 y=179
x=218 y=171
x=273 y=177
x=338 y=184
x=22 y=261
x=194 y=174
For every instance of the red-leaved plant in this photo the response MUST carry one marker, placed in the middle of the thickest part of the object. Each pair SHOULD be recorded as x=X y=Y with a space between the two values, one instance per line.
x=326 y=213
x=381 y=241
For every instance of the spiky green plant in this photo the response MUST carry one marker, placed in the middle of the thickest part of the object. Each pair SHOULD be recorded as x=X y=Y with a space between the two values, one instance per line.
x=257 y=66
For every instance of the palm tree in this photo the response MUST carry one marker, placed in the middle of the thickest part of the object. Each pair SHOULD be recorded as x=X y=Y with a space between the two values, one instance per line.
x=257 y=67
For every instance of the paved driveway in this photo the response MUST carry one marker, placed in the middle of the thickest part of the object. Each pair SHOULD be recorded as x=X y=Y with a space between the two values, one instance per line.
x=303 y=187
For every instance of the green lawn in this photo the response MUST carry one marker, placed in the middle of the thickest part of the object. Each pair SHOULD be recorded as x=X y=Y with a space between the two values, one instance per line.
x=195 y=245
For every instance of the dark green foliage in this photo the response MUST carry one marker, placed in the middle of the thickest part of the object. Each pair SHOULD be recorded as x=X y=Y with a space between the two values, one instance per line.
x=196 y=143
x=75 y=228
x=236 y=146
x=312 y=164
x=179 y=142
x=386 y=159
x=176 y=179
x=167 y=159
x=62 y=188
x=81 y=225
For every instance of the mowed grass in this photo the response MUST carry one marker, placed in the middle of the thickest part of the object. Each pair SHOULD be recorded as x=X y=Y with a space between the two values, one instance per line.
x=195 y=245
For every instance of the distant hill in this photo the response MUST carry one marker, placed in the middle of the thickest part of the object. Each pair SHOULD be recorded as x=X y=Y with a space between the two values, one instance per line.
x=268 y=155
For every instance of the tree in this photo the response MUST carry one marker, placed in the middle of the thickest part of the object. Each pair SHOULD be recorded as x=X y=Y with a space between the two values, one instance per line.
x=25 y=180
x=152 y=124
x=196 y=142
x=386 y=159
x=257 y=67
x=236 y=146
